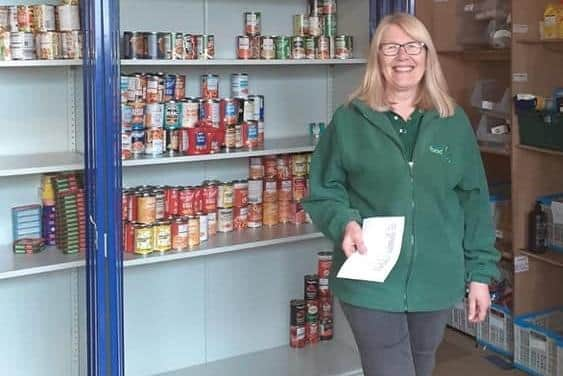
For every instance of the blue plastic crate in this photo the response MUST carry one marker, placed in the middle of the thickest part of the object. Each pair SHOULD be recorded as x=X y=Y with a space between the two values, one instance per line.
x=496 y=333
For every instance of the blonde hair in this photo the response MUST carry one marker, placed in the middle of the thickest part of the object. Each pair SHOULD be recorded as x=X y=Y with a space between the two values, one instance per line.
x=433 y=91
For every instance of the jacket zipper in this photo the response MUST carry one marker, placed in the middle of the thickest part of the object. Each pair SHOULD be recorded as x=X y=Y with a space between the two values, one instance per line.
x=411 y=260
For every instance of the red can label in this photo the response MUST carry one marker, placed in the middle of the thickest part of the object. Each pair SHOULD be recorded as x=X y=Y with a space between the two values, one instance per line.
x=325 y=308
x=326 y=329
x=186 y=201
x=198 y=141
x=198 y=199
x=211 y=112
x=210 y=192
x=129 y=237
x=297 y=213
x=171 y=201
x=240 y=218
x=312 y=332
x=240 y=194
x=297 y=336
x=299 y=188
x=243 y=47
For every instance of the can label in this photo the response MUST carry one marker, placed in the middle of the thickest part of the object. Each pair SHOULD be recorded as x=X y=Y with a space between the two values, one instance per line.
x=143 y=240
x=323 y=50
x=283 y=49
x=193 y=232
x=210 y=194
x=251 y=134
x=312 y=332
x=126 y=147
x=297 y=336
x=314 y=26
x=311 y=287
x=225 y=220
x=154 y=115
x=189 y=110
x=189 y=47
x=243 y=47
x=255 y=189
x=252 y=23
x=300 y=24
x=326 y=328
x=240 y=218
x=270 y=190
x=179 y=235
x=255 y=215
x=268 y=50
x=68 y=17
x=203 y=227
x=162 y=237
x=154 y=144
x=225 y=195
x=299 y=188
x=212 y=223
x=210 y=112
x=209 y=86
x=270 y=213
x=256 y=168
x=239 y=85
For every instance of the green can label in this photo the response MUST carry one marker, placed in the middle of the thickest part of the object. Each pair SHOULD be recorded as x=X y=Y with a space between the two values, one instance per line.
x=282 y=47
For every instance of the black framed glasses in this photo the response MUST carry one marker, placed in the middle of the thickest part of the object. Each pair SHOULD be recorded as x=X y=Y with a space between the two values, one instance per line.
x=411 y=48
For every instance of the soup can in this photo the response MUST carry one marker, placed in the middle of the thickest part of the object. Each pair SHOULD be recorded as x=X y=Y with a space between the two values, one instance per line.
x=151 y=45
x=310 y=47
x=252 y=23
x=267 y=48
x=179 y=47
x=189 y=112
x=256 y=168
x=315 y=26
x=225 y=219
x=239 y=85
x=162 y=235
x=212 y=223
x=71 y=44
x=210 y=112
x=240 y=218
x=154 y=115
x=329 y=25
x=165 y=45
x=300 y=25
x=297 y=47
x=25 y=18
x=343 y=46
x=323 y=47
x=154 y=142
x=205 y=46
x=22 y=46
x=193 y=231
x=203 y=227
x=254 y=215
x=229 y=109
x=328 y=6
x=179 y=230
x=255 y=191
x=133 y=45
x=225 y=195
x=43 y=18
x=283 y=48
x=144 y=236
x=243 y=47
x=48 y=45
x=210 y=86
x=68 y=17
x=270 y=213
x=255 y=42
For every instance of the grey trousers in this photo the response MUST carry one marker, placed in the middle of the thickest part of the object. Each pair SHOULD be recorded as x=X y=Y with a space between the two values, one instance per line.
x=396 y=344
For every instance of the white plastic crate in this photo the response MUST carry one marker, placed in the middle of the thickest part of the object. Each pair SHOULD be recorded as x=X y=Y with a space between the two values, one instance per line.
x=553 y=208
x=490 y=95
x=458 y=319
x=497 y=331
x=538 y=343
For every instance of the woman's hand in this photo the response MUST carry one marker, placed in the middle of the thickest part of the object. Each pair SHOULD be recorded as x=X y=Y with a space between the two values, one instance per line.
x=479 y=302
x=353 y=239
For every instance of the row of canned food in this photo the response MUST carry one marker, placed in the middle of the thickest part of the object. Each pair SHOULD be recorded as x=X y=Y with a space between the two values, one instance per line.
x=44 y=46
x=39 y=18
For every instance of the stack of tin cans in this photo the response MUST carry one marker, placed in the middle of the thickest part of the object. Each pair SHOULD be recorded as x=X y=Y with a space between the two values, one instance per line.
x=43 y=31
x=158 y=119
x=167 y=45
x=70 y=215
x=311 y=318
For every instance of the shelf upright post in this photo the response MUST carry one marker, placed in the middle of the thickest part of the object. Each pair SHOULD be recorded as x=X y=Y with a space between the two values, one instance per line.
x=381 y=8
x=104 y=263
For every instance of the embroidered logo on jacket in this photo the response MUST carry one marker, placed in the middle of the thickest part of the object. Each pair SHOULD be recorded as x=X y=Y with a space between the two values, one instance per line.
x=441 y=150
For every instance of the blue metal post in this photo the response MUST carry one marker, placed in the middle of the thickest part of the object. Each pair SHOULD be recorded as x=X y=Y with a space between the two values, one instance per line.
x=104 y=271
x=381 y=8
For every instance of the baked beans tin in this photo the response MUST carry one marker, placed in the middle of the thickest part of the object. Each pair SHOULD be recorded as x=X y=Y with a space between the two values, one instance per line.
x=326 y=329
x=284 y=211
x=68 y=18
x=165 y=45
x=254 y=215
x=43 y=18
x=203 y=227
x=210 y=86
x=225 y=193
x=205 y=46
x=172 y=114
x=328 y=6
x=22 y=46
x=154 y=115
x=256 y=168
x=315 y=26
x=133 y=45
x=137 y=142
x=243 y=47
x=270 y=213
x=210 y=195
x=285 y=190
x=310 y=47
x=162 y=236
x=300 y=25
x=267 y=48
x=297 y=47
x=144 y=236
x=154 y=94
x=250 y=136
x=311 y=287
x=48 y=45
x=229 y=109
x=25 y=18
x=344 y=45
x=225 y=219
x=323 y=48
x=179 y=230
x=255 y=190
x=189 y=47
x=240 y=193
x=270 y=190
x=212 y=223
x=283 y=49
x=240 y=218
x=252 y=23
x=329 y=25
x=239 y=85
x=193 y=231
x=189 y=112
x=137 y=114
x=71 y=44
x=255 y=46
x=186 y=201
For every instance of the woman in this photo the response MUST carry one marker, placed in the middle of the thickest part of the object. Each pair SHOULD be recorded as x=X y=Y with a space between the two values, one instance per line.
x=402 y=148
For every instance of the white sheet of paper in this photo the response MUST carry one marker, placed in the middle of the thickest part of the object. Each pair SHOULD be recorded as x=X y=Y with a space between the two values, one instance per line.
x=383 y=237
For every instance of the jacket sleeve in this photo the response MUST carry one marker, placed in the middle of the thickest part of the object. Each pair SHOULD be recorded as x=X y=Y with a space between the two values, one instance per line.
x=481 y=257
x=328 y=202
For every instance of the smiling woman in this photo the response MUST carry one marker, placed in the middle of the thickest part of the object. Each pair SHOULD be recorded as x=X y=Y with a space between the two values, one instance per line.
x=401 y=147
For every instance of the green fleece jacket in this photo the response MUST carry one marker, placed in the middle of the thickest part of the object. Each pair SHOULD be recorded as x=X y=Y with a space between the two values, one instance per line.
x=359 y=169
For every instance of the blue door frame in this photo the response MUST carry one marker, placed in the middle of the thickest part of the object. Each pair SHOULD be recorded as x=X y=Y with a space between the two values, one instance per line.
x=104 y=263
x=381 y=8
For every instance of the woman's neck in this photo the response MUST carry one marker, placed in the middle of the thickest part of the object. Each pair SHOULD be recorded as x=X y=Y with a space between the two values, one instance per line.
x=402 y=102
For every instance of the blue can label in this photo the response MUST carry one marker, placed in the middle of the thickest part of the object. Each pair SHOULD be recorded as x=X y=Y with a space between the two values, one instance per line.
x=231 y=109
x=170 y=86
x=252 y=131
x=200 y=139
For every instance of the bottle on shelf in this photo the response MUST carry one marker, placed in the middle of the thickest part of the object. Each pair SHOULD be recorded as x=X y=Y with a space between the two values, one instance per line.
x=537 y=230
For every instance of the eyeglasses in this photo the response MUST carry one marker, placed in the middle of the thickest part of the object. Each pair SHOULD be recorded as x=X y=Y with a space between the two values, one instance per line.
x=411 y=48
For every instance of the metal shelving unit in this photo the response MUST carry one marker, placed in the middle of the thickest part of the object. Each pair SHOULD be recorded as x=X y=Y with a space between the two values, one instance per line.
x=41 y=163
x=239 y=62
x=39 y=63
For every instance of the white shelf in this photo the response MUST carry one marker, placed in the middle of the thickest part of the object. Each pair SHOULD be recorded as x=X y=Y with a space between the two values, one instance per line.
x=233 y=242
x=325 y=358
x=27 y=164
x=279 y=146
x=227 y=62
x=39 y=63
x=51 y=259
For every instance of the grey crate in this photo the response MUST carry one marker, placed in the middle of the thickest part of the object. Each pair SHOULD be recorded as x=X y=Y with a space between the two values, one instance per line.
x=497 y=331
x=458 y=319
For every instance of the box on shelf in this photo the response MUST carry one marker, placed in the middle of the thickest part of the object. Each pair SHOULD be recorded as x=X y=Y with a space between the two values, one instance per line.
x=552 y=206
x=541 y=129
x=497 y=331
x=485 y=23
x=538 y=343
x=501 y=208
x=458 y=319
x=490 y=95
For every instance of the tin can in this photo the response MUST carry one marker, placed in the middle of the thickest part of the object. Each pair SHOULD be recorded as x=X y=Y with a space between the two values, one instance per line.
x=298 y=213
x=4 y=18
x=212 y=223
x=284 y=211
x=171 y=114
x=137 y=142
x=198 y=198
x=270 y=190
x=198 y=141
x=144 y=243
x=270 y=163
x=171 y=201
x=180 y=88
x=315 y=26
x=184 y=141
x=12 y=18
x=324 y=264
x=299 y=188
x=239 y=85
x=133 y=45
x=210 y=195
x=210 y=112
x=209 y=86
x=328 y=6
x=203 y=227
x=256 y=168
x=325 y=304
x=153 y=94
x=128 y=237
x=189 y=112
x=299 y=164
x=312 y=307
x=43 y=18
x=205 y=46
x=160 y=204
x=285 y=190
x=172 y=139
x=283 y=49
x=255 y=190
x=165 y=45
x=300 y=25
x=297 y=47
x=190 y=48
x=137 y=114
x=254 y=215
x=267 y=48
x=126 y=147
x=225 y=219
x=243 y=47
x=186 y=197
x=323 y=50
x=71 y=44
x=151 y=45
x=329 y=25
x=283 y=167
x=270 y=213
x=130 y=202
x=246 y=110
x=225 y=195
x=240 y=193
x=326 y=329
x=162 y=236
x=297 y=323
x=154 y=142
x=193 y=231
x=68 y=18
x=343 y=46
x=48 y=45
x=154 y=114
x=252 y=23
x=5 y=51
x=259 y=106
x=179 y=230
x=260 y=133
x=312 y=332
x=250 y=136
x=311 y=287
x=25 y=18
x=310 y=47
x=169 y=87
x=229 y=109
x=255 y=42
x=240 y=218
x=22 y=46
x=179 y=51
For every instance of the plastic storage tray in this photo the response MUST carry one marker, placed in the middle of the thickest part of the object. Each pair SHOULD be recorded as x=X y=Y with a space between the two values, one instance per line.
x=458 y=319
x=497 y=331
x=480 y=19
x=553 y=204
x=538 y=343
x=492 y=97
x=541 y=129
x=484 y=134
